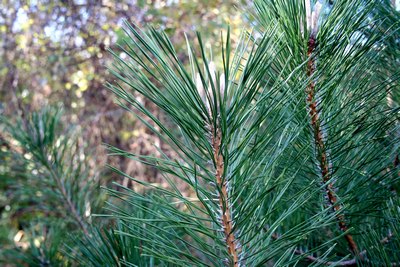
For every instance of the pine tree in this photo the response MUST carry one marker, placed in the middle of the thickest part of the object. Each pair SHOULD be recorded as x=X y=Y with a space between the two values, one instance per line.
x=288 y=143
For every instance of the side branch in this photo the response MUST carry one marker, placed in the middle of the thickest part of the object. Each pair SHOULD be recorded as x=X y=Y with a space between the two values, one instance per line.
x=68 y=202
x=320 y=147
x=230 y=240
x=350 y=262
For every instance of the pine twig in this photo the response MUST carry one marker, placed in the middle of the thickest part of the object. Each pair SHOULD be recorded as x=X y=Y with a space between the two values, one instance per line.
x=68 y=202
x=321 y=148
x=230 y=240
x=351 y=262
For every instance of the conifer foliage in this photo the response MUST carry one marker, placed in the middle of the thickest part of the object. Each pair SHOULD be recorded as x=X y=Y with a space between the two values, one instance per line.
x=287 y=144
x=49 y=187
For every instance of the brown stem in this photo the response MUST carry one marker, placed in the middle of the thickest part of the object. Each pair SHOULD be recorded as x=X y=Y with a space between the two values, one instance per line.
x=230 y=240
x=321 y=149
x=351 y=262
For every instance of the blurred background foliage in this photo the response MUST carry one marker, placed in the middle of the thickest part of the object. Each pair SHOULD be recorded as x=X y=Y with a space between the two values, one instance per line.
x=55 y=53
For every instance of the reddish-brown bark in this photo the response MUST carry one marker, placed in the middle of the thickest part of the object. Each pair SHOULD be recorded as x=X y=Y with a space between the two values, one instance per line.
x=223 y=198
x=321 y=148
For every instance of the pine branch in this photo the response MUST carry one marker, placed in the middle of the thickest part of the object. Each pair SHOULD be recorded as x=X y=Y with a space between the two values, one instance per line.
x=68 y=202
x=224 y=204
x=243 y=128
x=320 y=146
x=351 y=262
x=38 y=137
